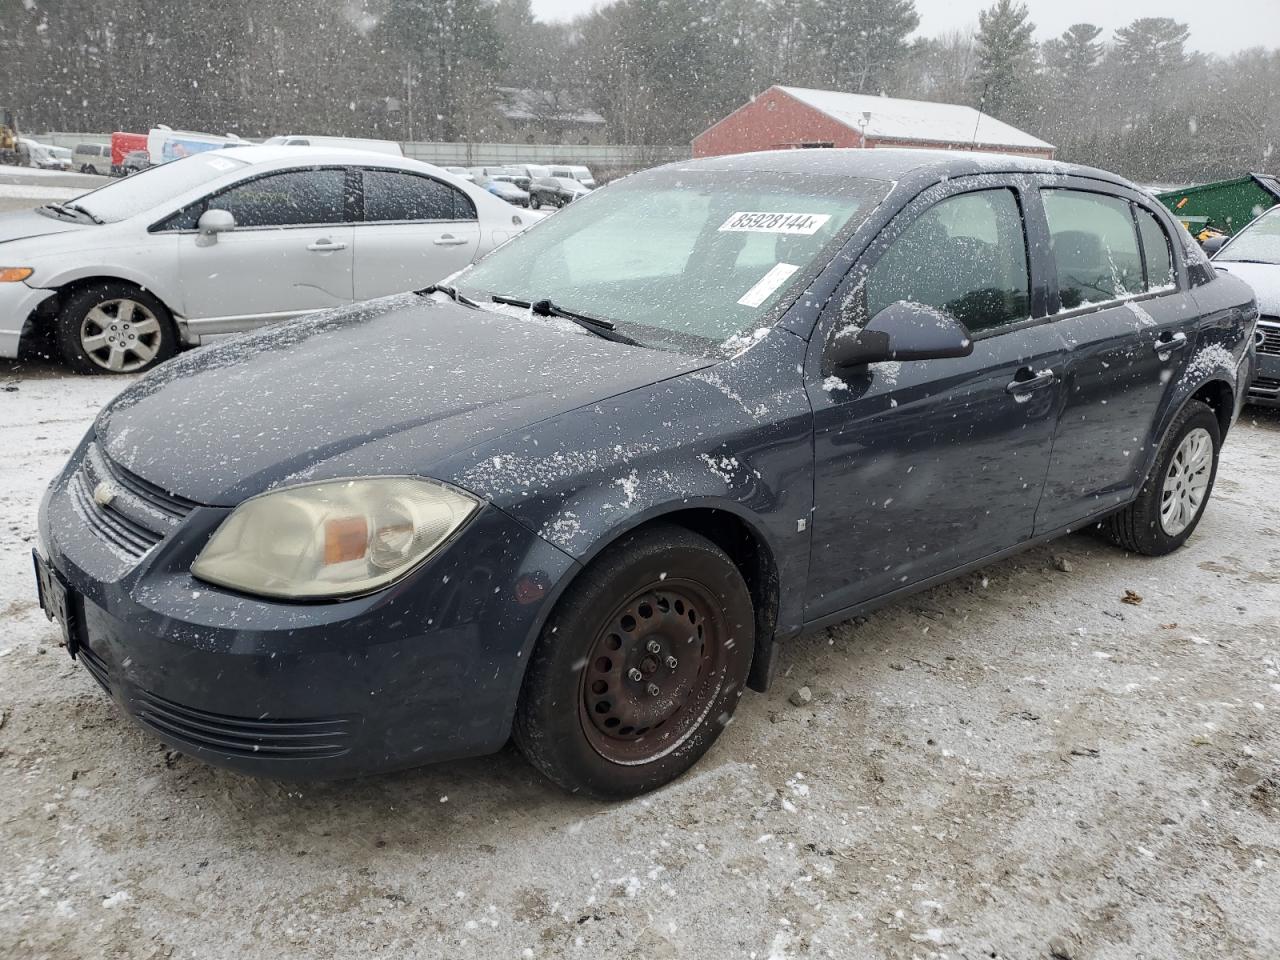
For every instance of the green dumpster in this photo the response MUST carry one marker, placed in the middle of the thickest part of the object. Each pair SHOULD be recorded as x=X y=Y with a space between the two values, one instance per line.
x=1228 y=205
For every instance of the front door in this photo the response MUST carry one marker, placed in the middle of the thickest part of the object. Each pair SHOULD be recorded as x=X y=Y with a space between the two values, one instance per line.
x=290 y=253
x=924 y=466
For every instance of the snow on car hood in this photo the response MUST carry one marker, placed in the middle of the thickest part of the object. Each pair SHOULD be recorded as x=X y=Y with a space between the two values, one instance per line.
x=27 y=224
x=433 y=378
x=1263 y=277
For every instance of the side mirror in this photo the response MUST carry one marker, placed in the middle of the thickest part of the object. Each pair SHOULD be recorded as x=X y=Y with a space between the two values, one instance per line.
x=1214 y=244
x=902 y=331
x=213 y=222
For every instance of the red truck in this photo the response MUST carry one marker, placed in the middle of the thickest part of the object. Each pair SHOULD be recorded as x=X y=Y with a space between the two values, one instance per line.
x=123 y=144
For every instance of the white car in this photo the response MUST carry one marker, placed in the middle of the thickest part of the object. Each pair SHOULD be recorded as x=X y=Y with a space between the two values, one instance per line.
x=45 y=156
x=229 y=240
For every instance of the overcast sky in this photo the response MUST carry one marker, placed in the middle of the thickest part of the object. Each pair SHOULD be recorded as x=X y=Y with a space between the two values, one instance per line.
x=1220 y=26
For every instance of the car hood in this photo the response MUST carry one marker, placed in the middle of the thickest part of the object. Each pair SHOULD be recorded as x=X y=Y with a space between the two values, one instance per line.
x=27 y=224
x=226 y=422
x=1263 y=277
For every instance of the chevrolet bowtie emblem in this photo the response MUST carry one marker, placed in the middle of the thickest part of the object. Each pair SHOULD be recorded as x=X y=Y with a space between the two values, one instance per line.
x=103 y=494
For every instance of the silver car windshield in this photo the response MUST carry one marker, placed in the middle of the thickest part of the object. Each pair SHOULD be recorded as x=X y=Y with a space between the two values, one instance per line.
x=1259 y=242
x=150 y=188
x=681 y=258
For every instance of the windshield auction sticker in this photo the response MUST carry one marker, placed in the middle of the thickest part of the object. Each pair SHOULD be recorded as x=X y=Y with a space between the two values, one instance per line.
x=766 y=285
x=754 y=221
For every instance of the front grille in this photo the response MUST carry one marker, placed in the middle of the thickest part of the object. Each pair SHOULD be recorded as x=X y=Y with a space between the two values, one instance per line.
x=138 y=515
x=1269 y=336
x=243 y=737
x=1265 y=386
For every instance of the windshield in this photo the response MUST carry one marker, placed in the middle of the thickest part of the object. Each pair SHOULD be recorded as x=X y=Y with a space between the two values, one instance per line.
x=1260 y=241
x=682 y=258
x=149 y=188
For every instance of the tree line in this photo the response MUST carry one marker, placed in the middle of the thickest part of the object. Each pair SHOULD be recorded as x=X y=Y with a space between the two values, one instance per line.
x=1136 y=98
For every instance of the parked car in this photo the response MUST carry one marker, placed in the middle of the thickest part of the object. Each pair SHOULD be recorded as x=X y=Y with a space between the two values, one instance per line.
x=462 y=172
x=46 y=157
x=525 y=173
x=222 y=242
x=92 y=158
x=135 y=161
x=504 y=187
x=579 y=173
x=389 y=147
x=582 y=494
x=1253 y=255
x=555 y=191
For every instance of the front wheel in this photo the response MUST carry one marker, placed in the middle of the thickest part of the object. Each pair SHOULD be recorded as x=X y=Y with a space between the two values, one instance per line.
x=114 y=328
x=534 y=202
x=640 y=667
x=1175 y=494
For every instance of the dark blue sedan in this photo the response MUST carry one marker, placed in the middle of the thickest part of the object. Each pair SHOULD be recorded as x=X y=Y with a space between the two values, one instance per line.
x=580 y=495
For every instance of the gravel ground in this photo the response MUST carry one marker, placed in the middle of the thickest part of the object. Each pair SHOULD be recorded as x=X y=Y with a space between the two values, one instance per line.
x=1017 y=765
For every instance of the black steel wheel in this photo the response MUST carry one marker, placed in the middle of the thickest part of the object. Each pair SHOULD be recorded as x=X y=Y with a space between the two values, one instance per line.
x=640 y=666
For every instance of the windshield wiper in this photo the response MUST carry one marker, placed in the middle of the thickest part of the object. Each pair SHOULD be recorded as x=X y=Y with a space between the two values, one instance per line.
x=72 y=210
x=79 y=209
x=545 y=308
x=450 y=292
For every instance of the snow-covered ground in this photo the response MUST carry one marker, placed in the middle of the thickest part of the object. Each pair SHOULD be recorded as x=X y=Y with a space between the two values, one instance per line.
x=1018 y=759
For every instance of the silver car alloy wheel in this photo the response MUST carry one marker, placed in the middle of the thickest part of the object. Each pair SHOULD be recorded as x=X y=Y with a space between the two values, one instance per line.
x=120 y=335
x=1186 y=482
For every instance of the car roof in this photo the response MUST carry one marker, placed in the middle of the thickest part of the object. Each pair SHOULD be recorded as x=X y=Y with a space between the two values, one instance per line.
x=891 y=164
x=263 y=153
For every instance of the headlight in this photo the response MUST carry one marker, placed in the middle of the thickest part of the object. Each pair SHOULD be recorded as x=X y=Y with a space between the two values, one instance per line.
x=335 y=538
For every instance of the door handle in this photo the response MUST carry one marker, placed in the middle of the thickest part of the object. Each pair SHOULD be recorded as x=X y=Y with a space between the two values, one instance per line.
x=449 y=240
x=1021 y=386
x=326 y=246
x=1176 y=341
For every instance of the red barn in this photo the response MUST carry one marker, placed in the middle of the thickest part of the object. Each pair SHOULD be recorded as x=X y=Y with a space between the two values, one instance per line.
x=795 y=117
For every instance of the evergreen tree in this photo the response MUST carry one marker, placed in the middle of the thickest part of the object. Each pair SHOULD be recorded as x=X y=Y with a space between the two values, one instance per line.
x=1004 y=55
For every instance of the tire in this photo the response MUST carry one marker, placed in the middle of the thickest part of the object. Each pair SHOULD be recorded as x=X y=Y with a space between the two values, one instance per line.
x=1173 y=498
x=129 y=339
x=90 y=169
x=534 y=202
x=586 y=718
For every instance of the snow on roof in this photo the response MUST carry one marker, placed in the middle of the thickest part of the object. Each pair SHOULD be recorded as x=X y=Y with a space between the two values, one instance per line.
x=919 y=120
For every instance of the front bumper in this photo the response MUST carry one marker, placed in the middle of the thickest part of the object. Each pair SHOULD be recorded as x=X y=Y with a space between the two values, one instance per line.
x=428 y=669
x=17 y=302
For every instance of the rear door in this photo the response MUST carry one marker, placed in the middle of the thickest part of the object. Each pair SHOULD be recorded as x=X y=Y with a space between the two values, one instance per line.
x=415 y=231
x=924 y=466
x=1125 y=307
x=289 y=254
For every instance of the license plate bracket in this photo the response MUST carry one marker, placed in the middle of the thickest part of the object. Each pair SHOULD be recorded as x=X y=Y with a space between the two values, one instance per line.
x=56 y=602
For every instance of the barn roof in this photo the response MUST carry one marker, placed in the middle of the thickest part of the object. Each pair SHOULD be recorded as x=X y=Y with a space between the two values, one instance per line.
x=915 y=120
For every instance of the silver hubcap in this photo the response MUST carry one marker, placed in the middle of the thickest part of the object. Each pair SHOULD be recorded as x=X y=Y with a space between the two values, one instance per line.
x=1187 y=482
x=120 y=335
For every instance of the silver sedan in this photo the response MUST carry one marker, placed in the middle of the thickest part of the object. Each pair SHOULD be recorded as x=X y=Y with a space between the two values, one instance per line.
x=225 y=241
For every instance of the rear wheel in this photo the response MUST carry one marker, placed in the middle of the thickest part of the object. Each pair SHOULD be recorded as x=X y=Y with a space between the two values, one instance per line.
x=114 y=328
x=1174 y=496
x=640 y=666
x=534 y=201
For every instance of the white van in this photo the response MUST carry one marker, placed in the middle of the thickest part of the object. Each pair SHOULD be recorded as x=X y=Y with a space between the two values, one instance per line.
x=579 y=173
x=344 y=143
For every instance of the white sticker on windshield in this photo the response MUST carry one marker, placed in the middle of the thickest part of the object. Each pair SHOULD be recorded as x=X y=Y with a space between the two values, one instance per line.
x=754 y=221
x=771 y=281
x=219 y=164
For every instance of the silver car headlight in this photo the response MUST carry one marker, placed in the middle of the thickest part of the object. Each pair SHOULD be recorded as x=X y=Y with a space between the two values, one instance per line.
x=335 y=538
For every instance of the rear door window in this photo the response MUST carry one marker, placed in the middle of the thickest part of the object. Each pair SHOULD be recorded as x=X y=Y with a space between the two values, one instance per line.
x=1156 y=251
x=1095 y=247
x=966 y=255
x=391 y=195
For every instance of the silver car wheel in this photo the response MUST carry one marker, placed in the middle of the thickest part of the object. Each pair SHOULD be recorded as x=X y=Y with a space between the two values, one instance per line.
x=120 y=335
x=1186 y=482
